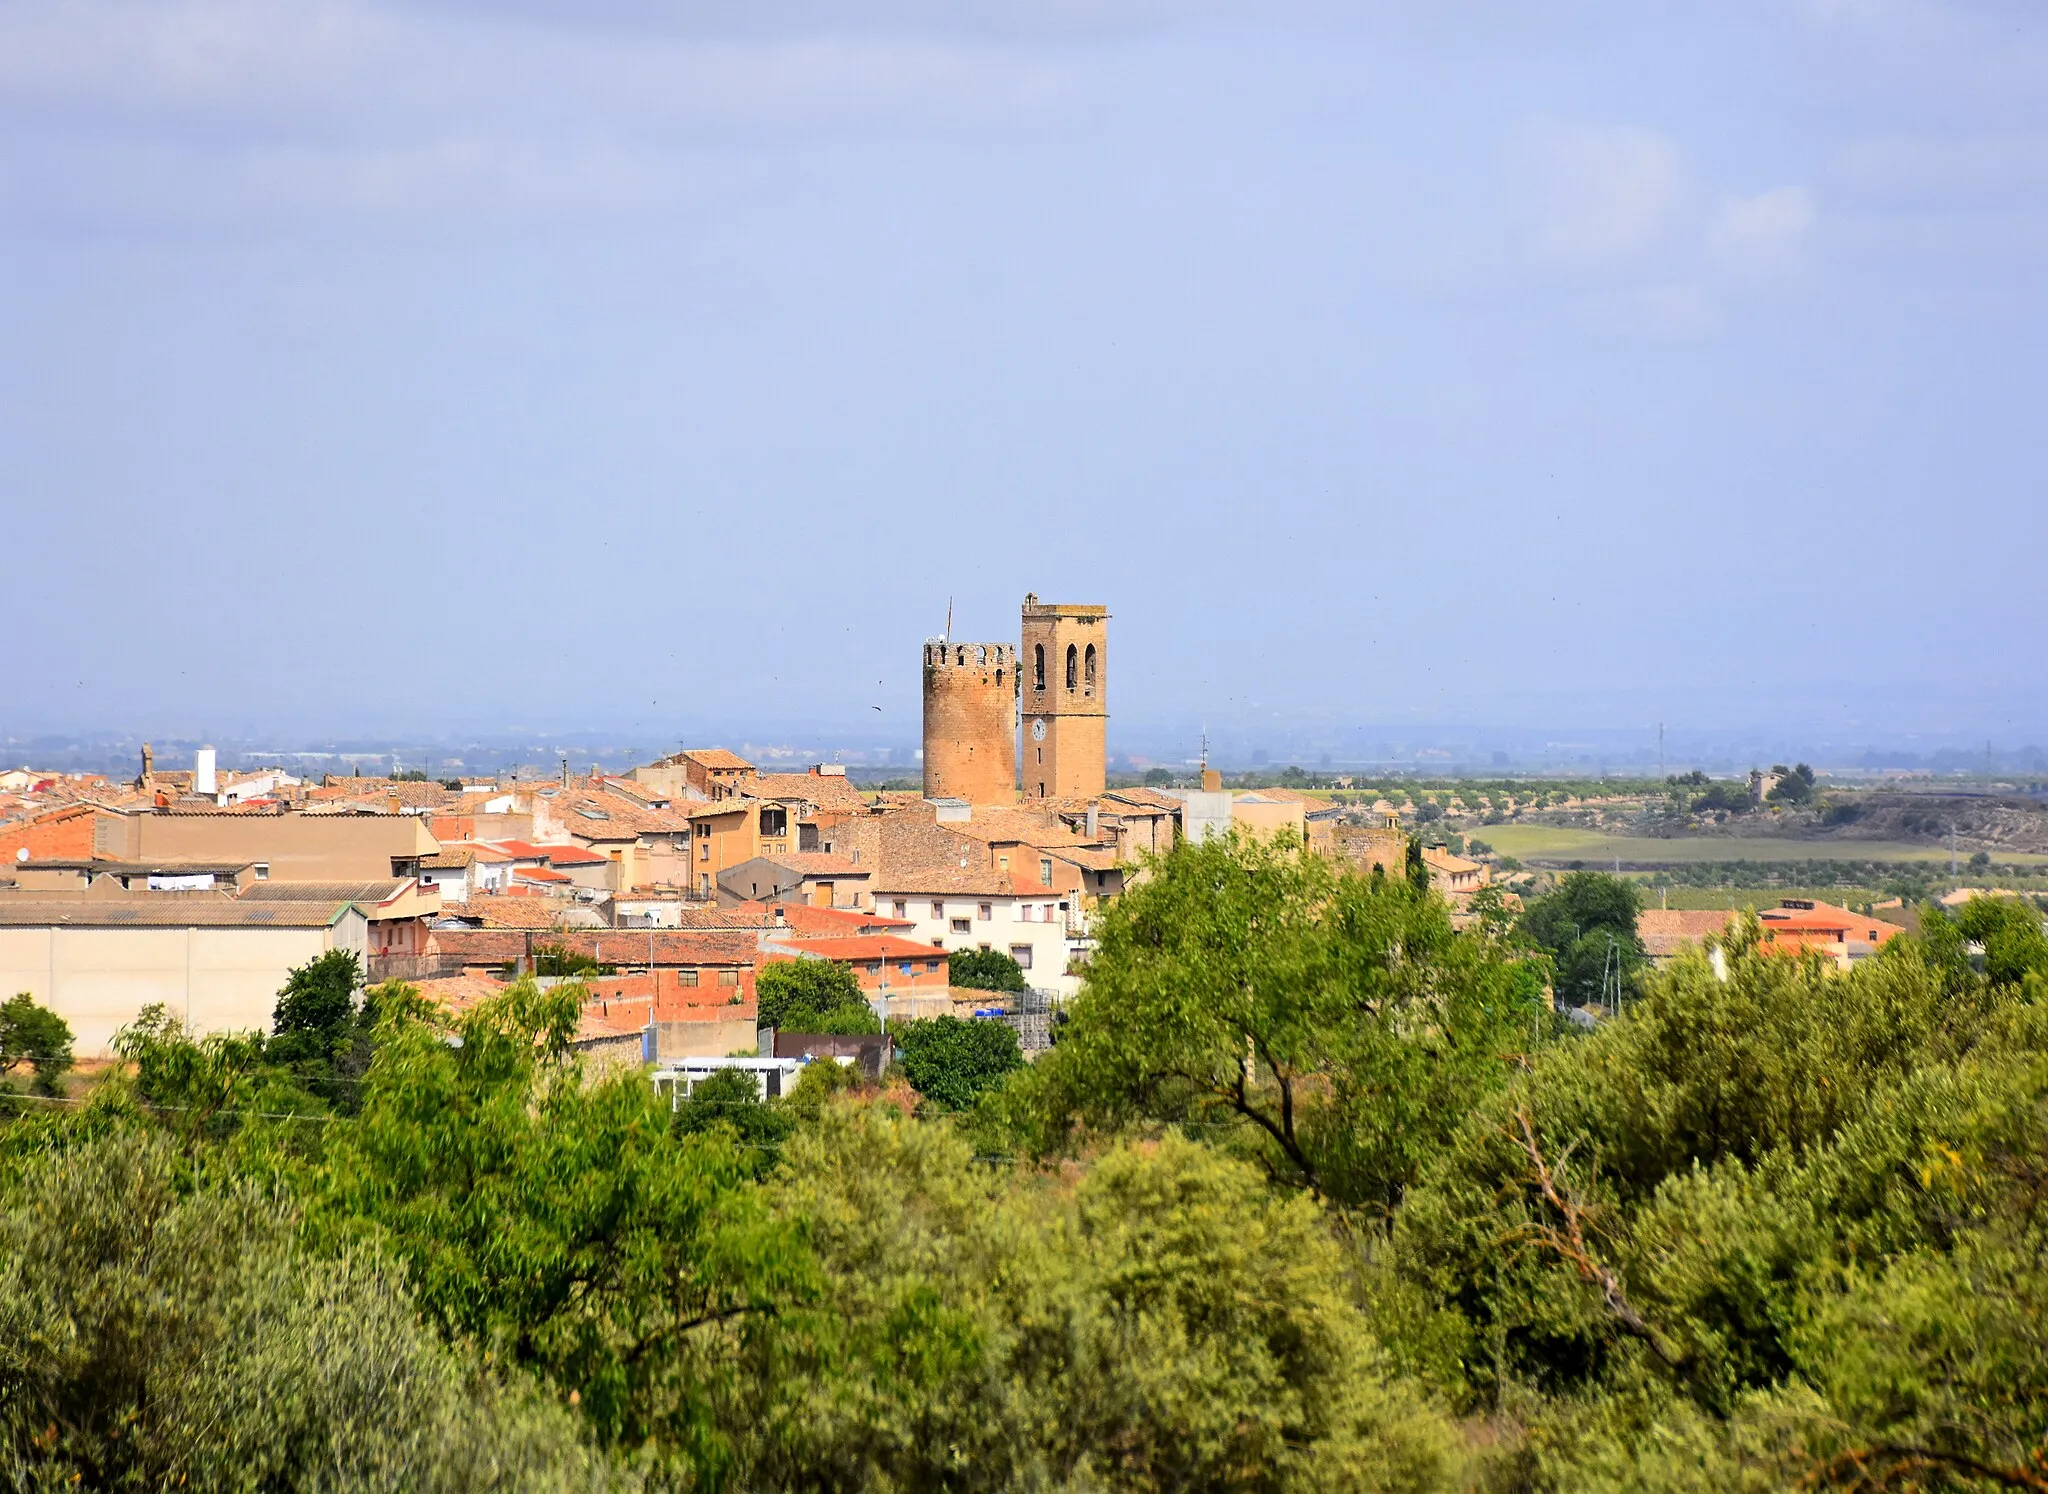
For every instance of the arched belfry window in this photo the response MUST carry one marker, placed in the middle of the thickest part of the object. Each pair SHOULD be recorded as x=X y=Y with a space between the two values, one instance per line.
x=1038 y=666
x=980 y=656
x=1088 y=669
x=1073 y=664
x=961 y=657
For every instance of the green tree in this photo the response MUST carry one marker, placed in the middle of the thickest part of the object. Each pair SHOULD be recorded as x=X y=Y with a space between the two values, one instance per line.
x=158 y=1336
x=2010 y=933
x=36 y=1036
x=1158 y=777
x=320 y=1032
x=985 y=970
x=318 y=999
x=1330 y=1026
x=1161 y=1321
x=810 y=995
x=1588 y=927
x=1417 y=868
x=560 y=960
x=730 y=1101
x=954 y=1060
x=1794 y=785
x=553 y=1218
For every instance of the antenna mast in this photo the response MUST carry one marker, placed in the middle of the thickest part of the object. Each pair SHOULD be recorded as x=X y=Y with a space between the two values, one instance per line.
x=949 y=619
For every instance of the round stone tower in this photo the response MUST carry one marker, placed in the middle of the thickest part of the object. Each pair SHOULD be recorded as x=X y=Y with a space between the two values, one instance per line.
x=970 y=721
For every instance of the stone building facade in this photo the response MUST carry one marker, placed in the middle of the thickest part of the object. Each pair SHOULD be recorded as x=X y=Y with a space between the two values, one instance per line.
x=1064 y=699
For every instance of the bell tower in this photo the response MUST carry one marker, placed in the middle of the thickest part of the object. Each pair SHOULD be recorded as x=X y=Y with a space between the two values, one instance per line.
x=1063 y=699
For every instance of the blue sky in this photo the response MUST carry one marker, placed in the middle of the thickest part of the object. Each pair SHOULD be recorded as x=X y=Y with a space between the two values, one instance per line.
x=670 y=366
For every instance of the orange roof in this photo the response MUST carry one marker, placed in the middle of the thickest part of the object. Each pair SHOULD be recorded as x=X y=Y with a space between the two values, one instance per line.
x=872 y=947
x=459 y=992
x=960 y=881
x=716 y=758
x=811 y=922
x=1826 y=918
x=539 y=874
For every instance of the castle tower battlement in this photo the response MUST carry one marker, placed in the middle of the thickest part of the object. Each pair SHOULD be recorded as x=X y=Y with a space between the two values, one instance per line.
x=970 y=721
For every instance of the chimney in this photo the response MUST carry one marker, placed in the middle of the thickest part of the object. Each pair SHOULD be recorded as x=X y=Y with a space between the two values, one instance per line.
x=1092 y=811
x=204 y=778
x=565 y=770
x=1212 y=781
x=148 y=767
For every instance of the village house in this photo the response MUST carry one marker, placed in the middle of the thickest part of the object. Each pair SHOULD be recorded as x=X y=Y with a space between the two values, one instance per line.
x=1795 y=926
x=645 y=846
x=706 y=773
x=399 y=912
x=882 y=963
x=976 y=907
x=816 y=878
x=461 y=869
x=282 y=846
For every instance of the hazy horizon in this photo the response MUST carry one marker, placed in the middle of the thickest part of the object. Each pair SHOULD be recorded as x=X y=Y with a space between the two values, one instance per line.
x=424 y=366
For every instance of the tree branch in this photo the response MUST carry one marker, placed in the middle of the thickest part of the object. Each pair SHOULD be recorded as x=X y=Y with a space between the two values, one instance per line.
x=1570 y=1243
x=1904 y=1460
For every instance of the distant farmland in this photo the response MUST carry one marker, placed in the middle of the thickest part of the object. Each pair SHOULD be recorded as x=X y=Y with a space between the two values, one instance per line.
x=1551 y=845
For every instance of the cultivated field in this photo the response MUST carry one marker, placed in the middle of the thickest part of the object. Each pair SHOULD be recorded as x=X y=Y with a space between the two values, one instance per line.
x=1551 y=845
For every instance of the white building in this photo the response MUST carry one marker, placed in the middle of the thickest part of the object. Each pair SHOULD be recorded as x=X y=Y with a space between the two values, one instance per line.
x=958 y=907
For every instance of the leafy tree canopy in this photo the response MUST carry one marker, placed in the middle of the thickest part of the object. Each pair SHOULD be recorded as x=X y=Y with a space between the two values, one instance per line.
x=804 y=995
x=1328 y=1025
x=36 y=1036
x=560 y=960
x=985 y=970
x=954 y=1060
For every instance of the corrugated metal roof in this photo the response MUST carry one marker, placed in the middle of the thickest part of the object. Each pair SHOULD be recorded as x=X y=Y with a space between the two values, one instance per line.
x=382 y=890
x=159 y=911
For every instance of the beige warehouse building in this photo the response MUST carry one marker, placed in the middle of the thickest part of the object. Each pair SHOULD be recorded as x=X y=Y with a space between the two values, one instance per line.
x=97 y=962
x=281 y=847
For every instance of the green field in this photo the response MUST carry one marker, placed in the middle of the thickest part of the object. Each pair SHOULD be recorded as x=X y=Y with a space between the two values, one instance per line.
x=1550 y=844
x=1755 y=898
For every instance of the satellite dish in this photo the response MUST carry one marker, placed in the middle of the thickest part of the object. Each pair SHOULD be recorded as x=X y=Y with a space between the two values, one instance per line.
x=21 y=854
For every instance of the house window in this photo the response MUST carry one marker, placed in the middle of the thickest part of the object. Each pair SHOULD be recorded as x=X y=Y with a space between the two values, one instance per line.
x=874 y=967
x=262 y=870
x=1021 y=953
x=908 y=968
x=1045 y=870
x=961 y=925
x=902 y=908
x=986 y=912
x=728 y=977
x=686 y=977
x=931 y=967
x=938 y=910
x=704 y=851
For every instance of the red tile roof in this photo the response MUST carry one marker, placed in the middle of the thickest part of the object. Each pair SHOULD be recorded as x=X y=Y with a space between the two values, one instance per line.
x=873 y=947
x=824 y=922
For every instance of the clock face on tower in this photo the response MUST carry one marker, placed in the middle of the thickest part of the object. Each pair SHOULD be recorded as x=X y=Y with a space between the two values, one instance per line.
x=1038 y=731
